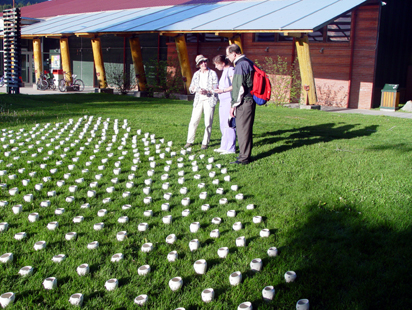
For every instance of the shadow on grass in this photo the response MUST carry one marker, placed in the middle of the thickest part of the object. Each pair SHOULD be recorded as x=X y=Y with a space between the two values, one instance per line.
x=346 y=263
x=309 y=135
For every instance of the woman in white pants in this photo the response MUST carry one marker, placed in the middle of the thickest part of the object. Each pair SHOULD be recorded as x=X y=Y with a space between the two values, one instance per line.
x=203 y=83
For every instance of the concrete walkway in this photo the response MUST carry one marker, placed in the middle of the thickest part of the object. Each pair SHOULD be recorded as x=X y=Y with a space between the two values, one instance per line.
x=360 y=111
x=29 y=90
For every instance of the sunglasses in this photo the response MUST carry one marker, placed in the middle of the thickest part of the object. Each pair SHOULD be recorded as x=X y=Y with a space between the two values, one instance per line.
x=203 y=61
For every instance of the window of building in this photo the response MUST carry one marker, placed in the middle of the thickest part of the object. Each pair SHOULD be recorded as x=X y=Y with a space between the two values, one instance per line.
x=204 y=37
x=264 y=37
x=336 y=31
x=339 y=29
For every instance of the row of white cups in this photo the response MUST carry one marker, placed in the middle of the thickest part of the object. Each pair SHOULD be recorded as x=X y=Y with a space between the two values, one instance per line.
x=175 y=283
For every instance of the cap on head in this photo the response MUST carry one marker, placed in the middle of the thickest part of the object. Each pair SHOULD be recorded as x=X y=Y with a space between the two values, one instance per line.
x=200 y=58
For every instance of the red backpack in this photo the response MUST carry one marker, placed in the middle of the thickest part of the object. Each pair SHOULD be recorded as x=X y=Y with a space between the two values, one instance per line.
x=261 y=90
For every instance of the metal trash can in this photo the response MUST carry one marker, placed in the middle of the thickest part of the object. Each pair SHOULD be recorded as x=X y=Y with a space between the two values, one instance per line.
x=390 y=97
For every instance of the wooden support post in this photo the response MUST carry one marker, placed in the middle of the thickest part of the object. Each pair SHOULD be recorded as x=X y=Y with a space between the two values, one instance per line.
x=183 y=55
x=236 y=39
x=38 y=60
x=233 y=38
x=306 y=72
x=65 y=54
x=136 y=51
x=98 y=62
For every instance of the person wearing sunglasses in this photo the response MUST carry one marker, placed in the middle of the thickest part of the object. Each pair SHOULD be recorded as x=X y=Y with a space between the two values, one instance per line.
x=203 y=83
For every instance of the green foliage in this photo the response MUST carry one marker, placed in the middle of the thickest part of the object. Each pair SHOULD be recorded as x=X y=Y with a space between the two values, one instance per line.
x=122 y=81
x=285 y=79
x=164 y=76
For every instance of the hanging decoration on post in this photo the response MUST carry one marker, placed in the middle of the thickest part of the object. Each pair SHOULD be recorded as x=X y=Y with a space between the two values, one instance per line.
x=12 y=50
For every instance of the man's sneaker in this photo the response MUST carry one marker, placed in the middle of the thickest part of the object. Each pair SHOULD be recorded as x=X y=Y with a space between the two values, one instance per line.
x=204 y=147
x=187 y=145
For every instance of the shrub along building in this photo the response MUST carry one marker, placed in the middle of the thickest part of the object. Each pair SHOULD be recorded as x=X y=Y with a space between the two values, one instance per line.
x=346 y=49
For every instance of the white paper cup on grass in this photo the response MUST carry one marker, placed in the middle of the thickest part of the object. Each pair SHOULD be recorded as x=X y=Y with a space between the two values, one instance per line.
x=223 y=252
x=78 y=219
x=101 y=212
x=6 y=258
x=147 y=247
x=121 y=235
x=123 y=219
x=28 y=198
x=290 y=276
x=93 y=245
x=4 y=226
x=170 y=239
x=59 y=211
x=235 y=278
x=83 y=269
x=141 y=299
x=17 y=209
x=71 y=235
x=33 y=217
x=231 y=213
x=143 y=227
x=172 y=256
x=194 y=227
x=268 y=293
x=247 y=305
x=50 y=283
x=26 y=271
x=76 y=299
x=167 y=219
x=7 y=299
x=264 y=233
x=175 y=283
x=194 y=245
x=52 y=225
x=111 y=284
x=116 y=257
x=208 y=295
x=185 y=212
x=59 y=258
x=215 y=233
x=272 y=252
x=241 y=241
x=256 y=264
x=143 y=270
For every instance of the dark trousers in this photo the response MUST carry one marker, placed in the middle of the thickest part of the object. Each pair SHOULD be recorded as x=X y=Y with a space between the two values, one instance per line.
x=245 y=117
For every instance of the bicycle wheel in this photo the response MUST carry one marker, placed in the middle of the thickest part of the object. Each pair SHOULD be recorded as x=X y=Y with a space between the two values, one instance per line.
x=62 y=85
x=41 y=84
x=79 y=83
x=52 y=85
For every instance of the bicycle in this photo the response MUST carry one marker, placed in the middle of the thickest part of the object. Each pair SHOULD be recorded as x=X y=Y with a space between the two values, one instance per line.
x=46 y=81
x=2 y=81
x=76 y=84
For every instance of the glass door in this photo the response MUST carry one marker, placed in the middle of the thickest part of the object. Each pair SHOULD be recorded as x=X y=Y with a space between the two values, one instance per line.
x=27 y=67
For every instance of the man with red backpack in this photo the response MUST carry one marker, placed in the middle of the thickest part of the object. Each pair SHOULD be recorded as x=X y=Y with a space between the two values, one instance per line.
x=243 y=105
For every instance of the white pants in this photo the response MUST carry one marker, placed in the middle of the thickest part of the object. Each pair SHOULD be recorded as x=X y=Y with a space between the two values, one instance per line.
x=202 y=106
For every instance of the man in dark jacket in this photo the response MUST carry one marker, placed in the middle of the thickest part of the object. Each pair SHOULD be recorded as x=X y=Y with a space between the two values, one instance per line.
x=243 y=105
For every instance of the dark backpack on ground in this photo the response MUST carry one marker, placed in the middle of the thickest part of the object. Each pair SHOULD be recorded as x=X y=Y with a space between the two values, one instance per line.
x=261 y=90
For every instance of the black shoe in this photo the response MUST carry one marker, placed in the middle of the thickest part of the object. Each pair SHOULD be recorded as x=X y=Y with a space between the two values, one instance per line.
x=187 y=145
x=240 y=162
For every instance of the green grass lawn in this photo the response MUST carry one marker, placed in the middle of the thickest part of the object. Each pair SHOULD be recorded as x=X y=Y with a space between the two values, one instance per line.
x=333 y=189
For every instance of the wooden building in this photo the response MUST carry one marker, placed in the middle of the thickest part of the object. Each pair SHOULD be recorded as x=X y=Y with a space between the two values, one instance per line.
x=355 y=46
